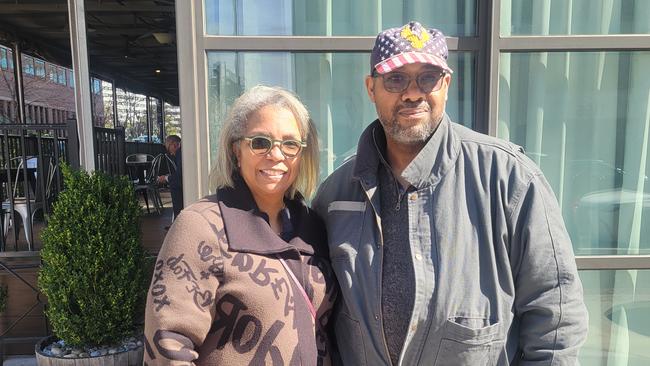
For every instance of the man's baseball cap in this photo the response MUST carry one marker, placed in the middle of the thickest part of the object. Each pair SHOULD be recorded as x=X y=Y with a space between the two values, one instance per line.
x=409 y=44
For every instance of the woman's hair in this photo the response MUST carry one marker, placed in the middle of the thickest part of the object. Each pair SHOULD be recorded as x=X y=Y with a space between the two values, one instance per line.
x=236 y=124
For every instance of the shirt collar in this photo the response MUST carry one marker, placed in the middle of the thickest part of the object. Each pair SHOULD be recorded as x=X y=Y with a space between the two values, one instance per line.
x=432 y=162
x=248 y=230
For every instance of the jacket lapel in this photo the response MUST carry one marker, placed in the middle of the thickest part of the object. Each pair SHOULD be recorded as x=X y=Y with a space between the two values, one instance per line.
x=248 y=231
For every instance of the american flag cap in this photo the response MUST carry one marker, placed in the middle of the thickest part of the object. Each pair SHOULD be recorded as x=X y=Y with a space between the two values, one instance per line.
x=409 y=44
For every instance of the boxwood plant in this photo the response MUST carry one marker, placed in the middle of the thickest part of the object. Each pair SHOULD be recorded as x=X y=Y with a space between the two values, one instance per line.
x=93 y=271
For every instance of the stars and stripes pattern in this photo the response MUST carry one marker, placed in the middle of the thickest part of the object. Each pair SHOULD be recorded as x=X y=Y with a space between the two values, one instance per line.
x=402 y=59
x=392 y=50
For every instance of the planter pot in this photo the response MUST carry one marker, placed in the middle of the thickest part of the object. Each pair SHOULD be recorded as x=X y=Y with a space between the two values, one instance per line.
x=127 y=358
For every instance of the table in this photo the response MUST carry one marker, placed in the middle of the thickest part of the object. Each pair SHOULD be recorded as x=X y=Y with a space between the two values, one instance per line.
x=138 y=170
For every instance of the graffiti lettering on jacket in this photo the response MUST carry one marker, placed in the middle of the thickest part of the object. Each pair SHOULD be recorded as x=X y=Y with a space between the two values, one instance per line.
x=158 y=289
x=216 y=264
x=281 y=288
x=183 y=272
x=233 y=327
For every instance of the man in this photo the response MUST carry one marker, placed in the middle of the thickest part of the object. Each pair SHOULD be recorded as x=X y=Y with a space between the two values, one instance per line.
x=448 y=245
x=175 y=179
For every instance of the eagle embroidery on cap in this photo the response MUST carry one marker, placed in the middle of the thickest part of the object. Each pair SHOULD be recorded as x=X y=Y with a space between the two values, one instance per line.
x=417 y=40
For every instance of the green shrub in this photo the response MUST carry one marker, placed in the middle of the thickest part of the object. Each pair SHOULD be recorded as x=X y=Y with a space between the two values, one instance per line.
x=93 y=271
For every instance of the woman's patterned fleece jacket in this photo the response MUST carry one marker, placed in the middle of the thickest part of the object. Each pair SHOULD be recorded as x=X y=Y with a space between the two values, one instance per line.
x=220 y=296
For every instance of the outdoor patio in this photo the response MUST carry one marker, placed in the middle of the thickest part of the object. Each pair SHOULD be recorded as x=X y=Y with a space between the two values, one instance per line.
x=19 y=273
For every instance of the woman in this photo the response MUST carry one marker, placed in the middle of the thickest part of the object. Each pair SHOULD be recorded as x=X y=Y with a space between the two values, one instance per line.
x=242 y=277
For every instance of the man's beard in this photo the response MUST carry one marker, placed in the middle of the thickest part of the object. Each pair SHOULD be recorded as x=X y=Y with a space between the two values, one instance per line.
x=410 y=135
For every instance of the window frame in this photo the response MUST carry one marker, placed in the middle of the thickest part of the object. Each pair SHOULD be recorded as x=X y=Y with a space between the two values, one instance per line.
x=194 y=43
x=559 y=43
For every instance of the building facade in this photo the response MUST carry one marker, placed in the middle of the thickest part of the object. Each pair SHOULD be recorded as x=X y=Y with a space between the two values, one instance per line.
x=567 y=80
x=48 y=87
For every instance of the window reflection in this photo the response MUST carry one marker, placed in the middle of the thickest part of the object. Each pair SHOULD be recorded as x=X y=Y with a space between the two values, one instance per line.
x=330 y=84
x=583 y=118
x=336 y=17
x=619 y=327
x=547 y=17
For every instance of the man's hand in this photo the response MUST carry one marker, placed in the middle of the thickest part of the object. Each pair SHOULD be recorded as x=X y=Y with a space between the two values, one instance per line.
x=163 y=179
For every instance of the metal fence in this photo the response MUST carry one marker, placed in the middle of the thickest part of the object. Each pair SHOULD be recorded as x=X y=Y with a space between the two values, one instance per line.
x=30 y=174
x=109 y=150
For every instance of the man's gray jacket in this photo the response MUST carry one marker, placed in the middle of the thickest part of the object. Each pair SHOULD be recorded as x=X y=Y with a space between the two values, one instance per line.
x=495 y=276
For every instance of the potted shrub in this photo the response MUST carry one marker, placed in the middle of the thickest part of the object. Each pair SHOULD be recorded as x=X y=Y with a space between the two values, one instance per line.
x=93 y=273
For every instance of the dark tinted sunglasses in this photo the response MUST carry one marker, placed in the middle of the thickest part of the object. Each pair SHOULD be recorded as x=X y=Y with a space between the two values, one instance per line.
x=262 y=145
x=397 y=82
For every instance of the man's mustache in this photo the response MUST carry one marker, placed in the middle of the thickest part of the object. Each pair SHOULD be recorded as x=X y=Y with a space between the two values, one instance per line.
x=414 y=105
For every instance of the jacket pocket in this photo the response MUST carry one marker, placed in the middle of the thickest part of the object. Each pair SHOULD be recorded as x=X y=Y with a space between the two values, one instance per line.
x=344 y=226
x=349 y=341
x=463 y=343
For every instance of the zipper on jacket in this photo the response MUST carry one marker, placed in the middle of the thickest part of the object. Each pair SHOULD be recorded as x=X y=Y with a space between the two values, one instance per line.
x=379 y=246
x=400 y=193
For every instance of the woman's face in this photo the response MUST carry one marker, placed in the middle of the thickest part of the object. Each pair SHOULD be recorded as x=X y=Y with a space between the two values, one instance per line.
x=270 y=175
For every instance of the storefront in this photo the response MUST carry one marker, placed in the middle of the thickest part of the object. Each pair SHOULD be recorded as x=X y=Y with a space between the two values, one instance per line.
x=566 y=80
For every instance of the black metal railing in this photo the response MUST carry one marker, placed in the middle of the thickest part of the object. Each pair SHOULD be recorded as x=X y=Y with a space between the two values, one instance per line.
x=30 y=174
x=109 y=150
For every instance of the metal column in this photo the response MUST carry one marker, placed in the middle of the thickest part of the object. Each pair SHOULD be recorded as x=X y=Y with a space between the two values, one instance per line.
x=82 y=90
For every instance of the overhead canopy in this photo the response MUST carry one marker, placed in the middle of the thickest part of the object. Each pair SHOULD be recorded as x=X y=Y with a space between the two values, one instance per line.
x=128 y=41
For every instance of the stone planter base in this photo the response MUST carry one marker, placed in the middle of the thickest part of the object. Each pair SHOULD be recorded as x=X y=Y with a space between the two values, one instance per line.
x=127 y=358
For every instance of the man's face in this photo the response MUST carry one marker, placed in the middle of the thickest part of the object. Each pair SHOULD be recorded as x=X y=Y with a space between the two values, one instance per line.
x=171 y=147
x=411 y=116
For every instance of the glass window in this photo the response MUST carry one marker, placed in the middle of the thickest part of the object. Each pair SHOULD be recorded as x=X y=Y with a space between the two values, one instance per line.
x=8 y=104
x=51 y=73
x=619 y=327
x=547 y=17
x=132 y=115
x=70 y=78
x=60 y=72
x=97 y=86
x=10 y=59
x=583 y=117
x=102 y=103
x=40 y=68
x=330 y=84
x=172 y=120
x=28 y=65
x=42 y=97
x=336 y=17
x=155 y=120
x=4 y=64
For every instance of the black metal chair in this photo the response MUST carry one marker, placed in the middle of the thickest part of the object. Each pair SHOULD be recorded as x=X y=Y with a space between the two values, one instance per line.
x=24 y=202
x=143 y=175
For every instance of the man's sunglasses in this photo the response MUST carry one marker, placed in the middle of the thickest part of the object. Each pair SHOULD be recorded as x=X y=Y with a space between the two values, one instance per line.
x=262 y=145
x=397 y=82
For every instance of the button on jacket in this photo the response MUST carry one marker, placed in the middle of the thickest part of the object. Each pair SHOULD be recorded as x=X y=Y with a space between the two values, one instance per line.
x=495 y=276
x=220 y=295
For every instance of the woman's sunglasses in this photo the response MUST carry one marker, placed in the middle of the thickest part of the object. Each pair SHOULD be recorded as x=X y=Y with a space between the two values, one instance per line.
x=262 y=145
